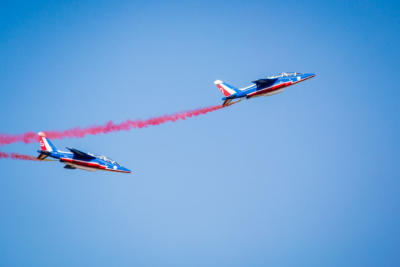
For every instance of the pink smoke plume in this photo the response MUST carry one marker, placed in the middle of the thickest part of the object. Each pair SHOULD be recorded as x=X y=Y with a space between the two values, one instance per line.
x=4 y=155
x=30 y=137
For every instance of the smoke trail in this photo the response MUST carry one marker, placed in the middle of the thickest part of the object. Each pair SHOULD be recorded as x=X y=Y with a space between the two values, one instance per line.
x=30 y=137
x=4 y=155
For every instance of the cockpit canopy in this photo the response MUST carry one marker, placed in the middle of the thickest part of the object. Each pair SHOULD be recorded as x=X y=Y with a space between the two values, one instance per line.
x=106 y=159
x=284 y=74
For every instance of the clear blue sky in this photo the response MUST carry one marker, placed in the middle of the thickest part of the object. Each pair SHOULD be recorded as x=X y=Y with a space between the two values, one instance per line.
x=309 y=177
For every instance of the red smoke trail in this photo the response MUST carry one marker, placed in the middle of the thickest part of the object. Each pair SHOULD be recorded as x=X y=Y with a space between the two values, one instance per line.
x=30 y=137
x=16 y=156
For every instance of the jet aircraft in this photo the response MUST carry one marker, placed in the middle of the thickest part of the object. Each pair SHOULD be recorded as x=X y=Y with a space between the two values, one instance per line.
x=76 y=159
x=262 y=87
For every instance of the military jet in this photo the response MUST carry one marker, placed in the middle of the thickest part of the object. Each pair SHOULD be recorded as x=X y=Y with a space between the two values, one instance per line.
x=76 y=159
x=262 y=87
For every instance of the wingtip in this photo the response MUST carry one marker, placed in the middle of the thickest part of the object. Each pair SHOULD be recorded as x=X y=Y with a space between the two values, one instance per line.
x=217 y=82
x=41 y=134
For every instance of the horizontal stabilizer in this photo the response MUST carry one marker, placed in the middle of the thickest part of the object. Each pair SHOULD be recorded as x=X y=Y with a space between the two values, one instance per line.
x=229 y=102
x=42 y=156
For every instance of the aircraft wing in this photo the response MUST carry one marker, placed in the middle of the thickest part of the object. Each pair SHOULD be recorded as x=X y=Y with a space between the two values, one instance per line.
x=80 y=154
x=262 y=83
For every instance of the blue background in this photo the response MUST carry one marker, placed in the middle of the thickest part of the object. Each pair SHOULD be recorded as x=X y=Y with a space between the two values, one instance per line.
x=309 y=177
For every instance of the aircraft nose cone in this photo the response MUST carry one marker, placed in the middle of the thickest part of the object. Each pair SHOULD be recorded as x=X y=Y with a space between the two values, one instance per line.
x=125 y=170
x=307 y=76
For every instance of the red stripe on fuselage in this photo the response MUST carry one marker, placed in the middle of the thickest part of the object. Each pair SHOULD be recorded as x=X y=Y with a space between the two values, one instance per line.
x=84 y=163
x=111 y=170
x=270 y=89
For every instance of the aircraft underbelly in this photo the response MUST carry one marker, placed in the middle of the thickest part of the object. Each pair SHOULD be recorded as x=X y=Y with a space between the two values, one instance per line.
x=83 y=165
x=92 y=169
x=274 y=92
x=267 y=93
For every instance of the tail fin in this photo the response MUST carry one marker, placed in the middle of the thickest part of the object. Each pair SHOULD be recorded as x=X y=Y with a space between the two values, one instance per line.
x=226 y=89
x=45 y=143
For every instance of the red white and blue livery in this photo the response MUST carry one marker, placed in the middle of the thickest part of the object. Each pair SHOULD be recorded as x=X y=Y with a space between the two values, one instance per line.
x=76 y=159
x=262 y=87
